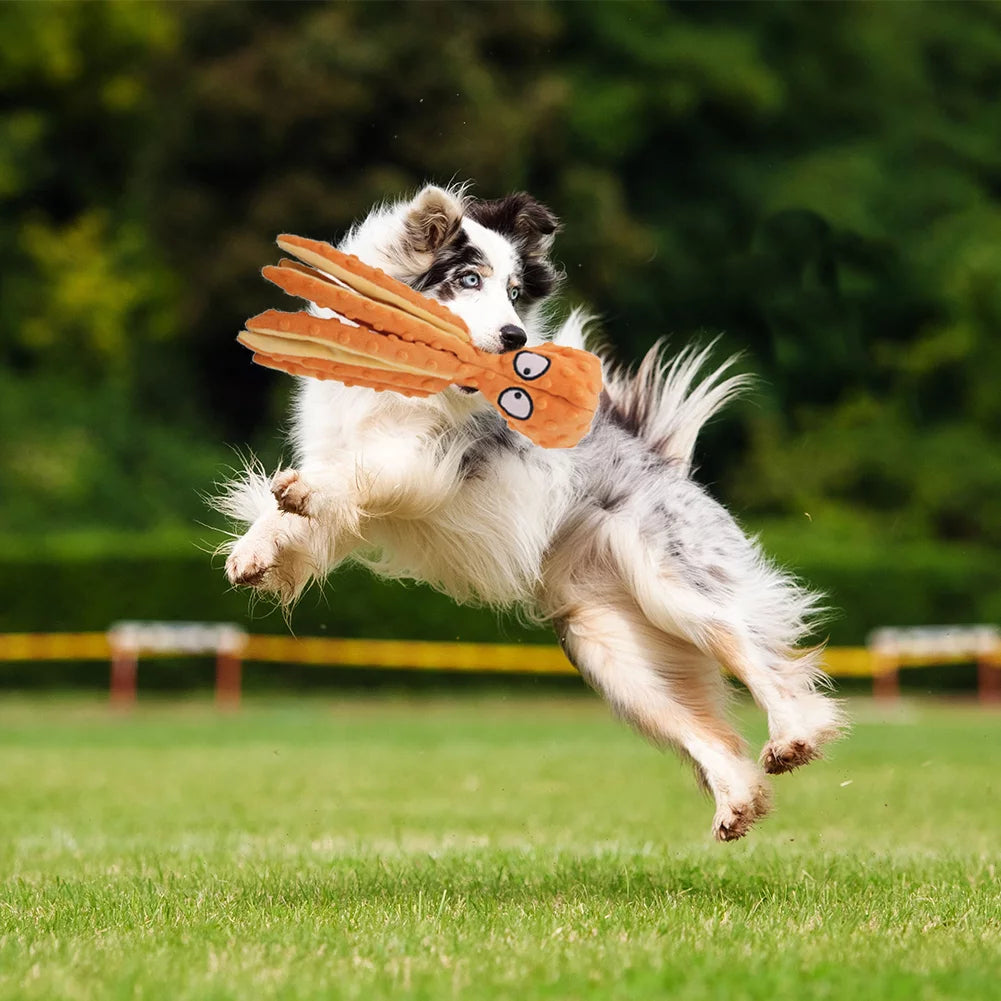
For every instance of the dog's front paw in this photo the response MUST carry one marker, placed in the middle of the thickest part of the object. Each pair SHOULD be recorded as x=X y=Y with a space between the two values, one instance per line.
x=248 y=564
x=292 y=494
x=269 y=564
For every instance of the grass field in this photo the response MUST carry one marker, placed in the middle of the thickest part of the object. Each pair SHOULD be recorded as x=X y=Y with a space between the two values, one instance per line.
x=503 y=848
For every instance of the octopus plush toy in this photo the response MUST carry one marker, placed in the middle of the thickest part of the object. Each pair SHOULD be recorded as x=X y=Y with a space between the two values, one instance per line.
x=389 y=337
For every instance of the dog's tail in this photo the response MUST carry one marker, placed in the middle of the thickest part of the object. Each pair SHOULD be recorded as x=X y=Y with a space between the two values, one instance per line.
x=666 y=403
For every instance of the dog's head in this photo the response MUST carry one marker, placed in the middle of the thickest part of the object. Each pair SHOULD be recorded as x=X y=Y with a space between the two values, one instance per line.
x=488 y=261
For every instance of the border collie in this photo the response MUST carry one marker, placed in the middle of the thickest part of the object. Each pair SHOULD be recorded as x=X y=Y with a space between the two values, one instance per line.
x=649 y=583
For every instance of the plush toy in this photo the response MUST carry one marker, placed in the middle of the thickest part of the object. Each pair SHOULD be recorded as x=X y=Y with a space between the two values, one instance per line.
x=397 y=339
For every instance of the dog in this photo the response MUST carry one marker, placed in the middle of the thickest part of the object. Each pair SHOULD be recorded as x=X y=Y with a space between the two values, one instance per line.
x=650 y=585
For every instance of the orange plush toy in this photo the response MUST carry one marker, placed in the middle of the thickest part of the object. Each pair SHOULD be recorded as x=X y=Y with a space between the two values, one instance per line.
x=398 y=339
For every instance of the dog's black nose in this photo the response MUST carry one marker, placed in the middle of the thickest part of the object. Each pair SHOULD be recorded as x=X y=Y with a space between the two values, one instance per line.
x=513 y=337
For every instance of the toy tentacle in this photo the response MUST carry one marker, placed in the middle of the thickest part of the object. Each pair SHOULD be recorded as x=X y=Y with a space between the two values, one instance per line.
x=361 y=346
x=377 y=316
x=374 y=284
x=351 y=375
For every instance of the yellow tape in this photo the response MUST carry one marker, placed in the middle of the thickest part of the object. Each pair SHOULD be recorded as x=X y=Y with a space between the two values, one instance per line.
x=415 y=655
x=410 y=654
x=848 y=662
x=54 y=646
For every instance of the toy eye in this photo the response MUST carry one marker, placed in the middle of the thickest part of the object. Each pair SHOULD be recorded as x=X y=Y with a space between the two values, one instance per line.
x=513 y=293
x=529 y=365
x=470 y=280
x=516 y=403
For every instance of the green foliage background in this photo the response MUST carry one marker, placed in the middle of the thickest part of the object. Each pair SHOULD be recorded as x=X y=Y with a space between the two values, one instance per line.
x=818 y=184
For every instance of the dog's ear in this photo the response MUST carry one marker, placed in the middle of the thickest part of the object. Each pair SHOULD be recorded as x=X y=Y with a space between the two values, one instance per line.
x=531 y=227
x=433 y=220
x=521 y=217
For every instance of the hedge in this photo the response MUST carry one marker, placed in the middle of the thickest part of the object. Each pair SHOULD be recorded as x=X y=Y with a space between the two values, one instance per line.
x=81 y=586
x=88 y=584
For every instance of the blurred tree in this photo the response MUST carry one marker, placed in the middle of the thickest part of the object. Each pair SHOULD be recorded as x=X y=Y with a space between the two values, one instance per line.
x=819 y=184
x=91 y=380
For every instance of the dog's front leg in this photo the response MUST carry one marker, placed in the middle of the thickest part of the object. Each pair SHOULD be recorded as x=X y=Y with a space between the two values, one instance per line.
x=330 y=497
x=296 y=533
x=274 y=556
x=397 y=477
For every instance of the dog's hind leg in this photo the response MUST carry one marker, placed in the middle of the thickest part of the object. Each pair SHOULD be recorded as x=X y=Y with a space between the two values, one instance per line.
x=783 y=682
x=747 y=626
x=668 y=691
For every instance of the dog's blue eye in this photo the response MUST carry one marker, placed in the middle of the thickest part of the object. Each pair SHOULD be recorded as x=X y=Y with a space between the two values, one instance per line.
x=470 y=280
x=513 y=293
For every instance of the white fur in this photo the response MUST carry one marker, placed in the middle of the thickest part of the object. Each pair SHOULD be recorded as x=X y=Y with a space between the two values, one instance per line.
x=649 y=582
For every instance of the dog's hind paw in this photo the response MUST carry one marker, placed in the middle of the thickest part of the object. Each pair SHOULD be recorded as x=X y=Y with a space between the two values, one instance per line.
x=799 y=737
x=291 y=493
x=780 y=756
x=734 y=820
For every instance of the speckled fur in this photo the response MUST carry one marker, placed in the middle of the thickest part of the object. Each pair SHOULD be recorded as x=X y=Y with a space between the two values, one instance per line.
x=649 y=582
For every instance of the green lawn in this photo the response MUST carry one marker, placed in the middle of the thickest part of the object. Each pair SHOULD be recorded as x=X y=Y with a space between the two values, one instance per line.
x=483 y=848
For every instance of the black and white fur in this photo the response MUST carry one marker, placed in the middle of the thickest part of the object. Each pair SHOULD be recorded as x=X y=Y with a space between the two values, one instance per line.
x=650 y=584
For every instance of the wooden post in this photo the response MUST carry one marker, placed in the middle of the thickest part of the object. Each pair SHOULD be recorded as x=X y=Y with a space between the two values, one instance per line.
x=228 y=675
x=886 y=677
x=989 y=678
x=124 y=671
